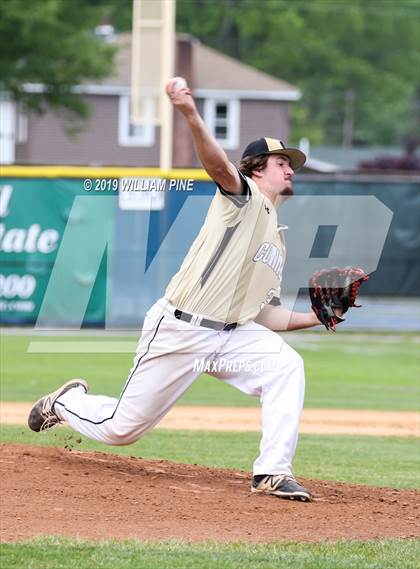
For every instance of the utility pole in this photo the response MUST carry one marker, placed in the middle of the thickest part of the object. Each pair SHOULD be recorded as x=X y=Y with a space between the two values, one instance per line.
x=348 y=121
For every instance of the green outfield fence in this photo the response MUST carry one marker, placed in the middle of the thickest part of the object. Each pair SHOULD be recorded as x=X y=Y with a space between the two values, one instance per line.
x=116 y=258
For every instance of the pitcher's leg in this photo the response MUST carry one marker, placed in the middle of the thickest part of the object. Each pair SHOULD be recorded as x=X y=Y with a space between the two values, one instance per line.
x=273 y=371
x=281 y=407
x=87 y=414
x=99 y=417
x=163 y=370
x=151 y=390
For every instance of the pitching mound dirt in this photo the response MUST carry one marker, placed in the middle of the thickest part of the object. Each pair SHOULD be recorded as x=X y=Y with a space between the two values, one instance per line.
x=96 y=495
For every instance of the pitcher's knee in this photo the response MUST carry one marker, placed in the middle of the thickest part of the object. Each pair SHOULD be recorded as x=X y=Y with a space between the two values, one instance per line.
x=298 y=367
x=120 y=434
x=117 y=439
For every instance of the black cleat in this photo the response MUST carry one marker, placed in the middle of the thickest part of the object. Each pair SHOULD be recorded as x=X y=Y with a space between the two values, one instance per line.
x=42 y=415
x=281 y=485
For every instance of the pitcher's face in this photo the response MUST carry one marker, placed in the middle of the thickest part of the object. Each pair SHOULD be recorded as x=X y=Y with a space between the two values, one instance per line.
x=276 y=177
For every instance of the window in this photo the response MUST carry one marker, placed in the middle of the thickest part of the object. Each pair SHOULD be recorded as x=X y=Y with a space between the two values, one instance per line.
x=222 y=119
x=130 y=134
x=7 y=131
x=21 y=124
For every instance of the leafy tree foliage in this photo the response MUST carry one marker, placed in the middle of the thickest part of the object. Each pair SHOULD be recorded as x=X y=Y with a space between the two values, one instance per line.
x=50 y=42
x=357 y=62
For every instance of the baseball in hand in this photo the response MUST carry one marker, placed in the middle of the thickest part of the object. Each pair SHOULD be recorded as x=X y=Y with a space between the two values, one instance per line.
x=178 y=83
x=180 y=95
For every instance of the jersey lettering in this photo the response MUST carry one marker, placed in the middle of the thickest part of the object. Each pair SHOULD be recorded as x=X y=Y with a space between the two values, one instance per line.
x=269 y=254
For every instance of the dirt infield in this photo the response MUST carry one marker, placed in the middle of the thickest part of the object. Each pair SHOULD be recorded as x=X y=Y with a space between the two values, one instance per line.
x=95 y=496
x=315 y=421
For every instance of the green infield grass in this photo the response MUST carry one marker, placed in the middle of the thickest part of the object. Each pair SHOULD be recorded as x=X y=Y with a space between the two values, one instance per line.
x=343 y=370
x=59 y=553
x=375 y=461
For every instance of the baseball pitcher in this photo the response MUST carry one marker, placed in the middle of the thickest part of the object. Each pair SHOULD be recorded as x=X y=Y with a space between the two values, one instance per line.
x=223 y=306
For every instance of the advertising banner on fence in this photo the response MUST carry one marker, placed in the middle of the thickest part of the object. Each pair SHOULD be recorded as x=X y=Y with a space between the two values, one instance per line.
x=33 y=217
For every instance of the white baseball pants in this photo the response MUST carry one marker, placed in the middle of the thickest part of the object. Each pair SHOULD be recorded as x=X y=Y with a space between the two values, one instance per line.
x=168 y=359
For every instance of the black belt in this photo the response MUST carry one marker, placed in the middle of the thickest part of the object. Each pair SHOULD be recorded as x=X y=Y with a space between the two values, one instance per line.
x=205 y=322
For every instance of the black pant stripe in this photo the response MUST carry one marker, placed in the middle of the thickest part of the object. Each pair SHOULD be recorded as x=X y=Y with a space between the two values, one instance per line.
x=123 y=391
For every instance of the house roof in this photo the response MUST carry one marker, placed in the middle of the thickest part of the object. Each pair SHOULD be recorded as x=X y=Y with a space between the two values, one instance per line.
x=212 y=71
x=122 y=71
x=215 y=70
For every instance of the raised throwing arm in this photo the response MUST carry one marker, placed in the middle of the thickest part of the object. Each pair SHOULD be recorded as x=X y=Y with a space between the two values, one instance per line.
x=211 y=155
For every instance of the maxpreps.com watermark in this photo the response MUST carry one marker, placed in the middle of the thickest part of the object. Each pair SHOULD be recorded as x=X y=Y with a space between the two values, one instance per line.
x=201 y=365
x=138 y=185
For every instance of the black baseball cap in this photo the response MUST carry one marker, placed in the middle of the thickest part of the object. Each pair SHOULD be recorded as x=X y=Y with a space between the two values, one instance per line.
x=273 y=146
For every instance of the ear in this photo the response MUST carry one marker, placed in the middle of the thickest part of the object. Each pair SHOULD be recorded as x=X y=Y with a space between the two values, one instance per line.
x=257 y=173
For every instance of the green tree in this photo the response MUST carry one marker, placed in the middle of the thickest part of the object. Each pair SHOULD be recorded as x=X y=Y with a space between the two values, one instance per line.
x=356 y=63
x=51 y=42
x=118 y=13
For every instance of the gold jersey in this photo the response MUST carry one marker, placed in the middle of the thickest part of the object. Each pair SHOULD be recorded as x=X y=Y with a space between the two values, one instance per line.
x=234 y=266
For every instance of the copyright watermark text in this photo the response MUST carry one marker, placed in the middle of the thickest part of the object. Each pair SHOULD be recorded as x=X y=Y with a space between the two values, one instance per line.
x=137 y=185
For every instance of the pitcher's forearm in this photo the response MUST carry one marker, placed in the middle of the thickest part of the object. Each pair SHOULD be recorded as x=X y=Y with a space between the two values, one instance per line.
x=280 y=319
x=212 y=157
x=301 y=320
